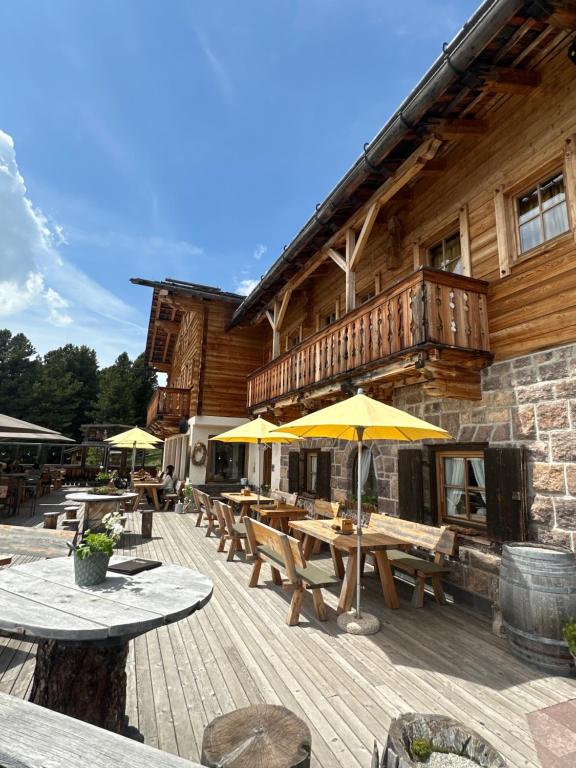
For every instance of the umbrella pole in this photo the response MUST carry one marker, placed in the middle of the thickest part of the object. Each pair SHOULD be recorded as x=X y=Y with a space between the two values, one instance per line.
x=360 y=433
x=258 y=464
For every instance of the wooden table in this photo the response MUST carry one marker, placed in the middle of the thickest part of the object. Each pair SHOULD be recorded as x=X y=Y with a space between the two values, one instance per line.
x=83 y=632
x=34 y=542
x=373 y=543
x=96 y=506
x=279 y=517
x=149 y=485
x=245 y=502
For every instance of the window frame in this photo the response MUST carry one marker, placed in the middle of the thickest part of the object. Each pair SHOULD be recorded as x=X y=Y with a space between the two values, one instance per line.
x=505 y=209
x=442 y=241
x=536 y=186
x=442 y=517
x=457 y=222
x=308 y=455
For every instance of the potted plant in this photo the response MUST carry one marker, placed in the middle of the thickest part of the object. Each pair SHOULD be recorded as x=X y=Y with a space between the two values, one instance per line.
x=92 y=555
x=91 y=558
x=569 y=633
x=103 y=478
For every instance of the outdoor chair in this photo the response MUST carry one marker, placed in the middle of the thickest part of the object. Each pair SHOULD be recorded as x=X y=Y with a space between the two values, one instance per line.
x=235 y=531
x=172 y=498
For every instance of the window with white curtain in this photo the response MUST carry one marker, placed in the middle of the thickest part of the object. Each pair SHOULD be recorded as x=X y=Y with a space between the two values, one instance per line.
x=461 y=487
x=367 y=475
x=542 y=213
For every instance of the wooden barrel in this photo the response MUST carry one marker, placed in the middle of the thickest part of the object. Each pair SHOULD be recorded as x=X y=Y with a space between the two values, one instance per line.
x=537 y=597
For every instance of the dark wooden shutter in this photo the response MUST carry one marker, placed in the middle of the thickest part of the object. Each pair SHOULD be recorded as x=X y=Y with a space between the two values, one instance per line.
x=506 y=507
x=410 y=485
x=293 y=472
x=323 y=489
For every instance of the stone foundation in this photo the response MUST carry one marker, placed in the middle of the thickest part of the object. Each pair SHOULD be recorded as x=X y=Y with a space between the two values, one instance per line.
x=528 y=401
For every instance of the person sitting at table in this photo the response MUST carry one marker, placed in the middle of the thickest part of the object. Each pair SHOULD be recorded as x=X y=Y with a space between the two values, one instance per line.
x=166 y=482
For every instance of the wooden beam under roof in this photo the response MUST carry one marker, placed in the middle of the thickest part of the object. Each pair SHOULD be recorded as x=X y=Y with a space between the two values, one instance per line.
x=457 y=129
x=510 y=80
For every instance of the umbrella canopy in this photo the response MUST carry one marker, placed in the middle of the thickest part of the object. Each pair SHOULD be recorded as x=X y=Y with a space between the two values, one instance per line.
x=133 y=438
x=16 y=430
x=363 y=418
x=257 y=431
x=360 y=413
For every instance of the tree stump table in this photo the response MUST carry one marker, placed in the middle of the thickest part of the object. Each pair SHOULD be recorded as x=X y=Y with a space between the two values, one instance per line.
x=98 y=505
x=83 y=632
x=261 y=735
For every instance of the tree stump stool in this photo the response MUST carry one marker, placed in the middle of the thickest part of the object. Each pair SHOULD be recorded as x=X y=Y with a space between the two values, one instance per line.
x=147 y=518
x=51 y=520
x=71 y=512
x=261 y=735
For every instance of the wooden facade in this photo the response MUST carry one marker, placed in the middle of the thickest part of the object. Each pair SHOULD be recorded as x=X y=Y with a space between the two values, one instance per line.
x=464 y=178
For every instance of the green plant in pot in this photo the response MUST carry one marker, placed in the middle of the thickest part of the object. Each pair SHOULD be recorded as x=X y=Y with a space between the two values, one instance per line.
x=91 y=558
x=569 y=633
x=92 y=555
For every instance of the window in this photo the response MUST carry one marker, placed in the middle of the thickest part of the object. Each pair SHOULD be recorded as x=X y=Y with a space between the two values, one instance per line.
x=225 y=462
x=367 y=477
x=542 y=213
x=461 y=487
x=311 y=473
x=447 y=255
x=362 y=298
x=329 y=319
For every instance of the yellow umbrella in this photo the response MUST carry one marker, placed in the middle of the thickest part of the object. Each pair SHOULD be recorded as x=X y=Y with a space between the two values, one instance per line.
x=258 y=431
x=363 y=418
x=135 y=438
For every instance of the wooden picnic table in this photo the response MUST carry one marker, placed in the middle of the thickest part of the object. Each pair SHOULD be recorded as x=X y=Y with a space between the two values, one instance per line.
x=245 y=501
x=83 y=632
x=97 y=505
x=279 y=516
x=34 y=542
x=142 y=486
x=373 y=543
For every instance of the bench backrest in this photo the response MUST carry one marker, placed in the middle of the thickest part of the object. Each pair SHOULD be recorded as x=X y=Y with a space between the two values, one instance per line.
x=206 y=504
x=284 y=546
x=228 y=515
x=287 y=498
x=196 y=499
x=327 y=509
x=219 y=514
x=441 y=540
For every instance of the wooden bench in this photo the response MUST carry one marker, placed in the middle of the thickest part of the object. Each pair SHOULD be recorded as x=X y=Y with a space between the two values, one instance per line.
x=441 y=542
x=71 y=512
x=51 y=519
x=211 y=515
x=328 y=510
x=283 y=554
x=230 y=530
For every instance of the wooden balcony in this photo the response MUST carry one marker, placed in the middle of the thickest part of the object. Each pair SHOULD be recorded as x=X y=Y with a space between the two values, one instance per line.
x=431 y=326
x=167 y=408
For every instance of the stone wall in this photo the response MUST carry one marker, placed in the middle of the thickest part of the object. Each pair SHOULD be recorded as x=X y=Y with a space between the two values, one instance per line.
x=529 y=401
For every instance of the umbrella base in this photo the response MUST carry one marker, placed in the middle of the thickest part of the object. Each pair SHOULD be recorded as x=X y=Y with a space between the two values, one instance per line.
x=367 y=624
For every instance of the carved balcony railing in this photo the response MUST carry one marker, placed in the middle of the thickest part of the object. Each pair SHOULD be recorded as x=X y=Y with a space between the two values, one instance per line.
x=167 y=408
x=429 y=309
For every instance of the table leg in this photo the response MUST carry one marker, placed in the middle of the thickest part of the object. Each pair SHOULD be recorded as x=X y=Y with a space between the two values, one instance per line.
x=244 y=508
x=138 y=498
x=87 y=682
x=307 y=547
x=337 y=561
x=387 y=579
x=155 y=498
x=283 y=525
x=349 y=584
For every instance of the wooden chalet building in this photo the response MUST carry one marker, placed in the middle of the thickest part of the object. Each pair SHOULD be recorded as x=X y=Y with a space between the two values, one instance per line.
x=439 y=275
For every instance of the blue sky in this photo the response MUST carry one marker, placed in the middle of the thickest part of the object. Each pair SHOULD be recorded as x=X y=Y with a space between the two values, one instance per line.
x=181 y=138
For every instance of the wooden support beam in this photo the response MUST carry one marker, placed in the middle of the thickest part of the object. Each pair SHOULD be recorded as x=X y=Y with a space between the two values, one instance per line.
x=465 y=254
x=563 y=14
x=350 y=274
x=369 y=221
x=570 y=170
x=457 y=129
x=170 y=326
x=312 y=265
x=283 y=307
x=337 y=258
x=509 y=80
x=503 y=234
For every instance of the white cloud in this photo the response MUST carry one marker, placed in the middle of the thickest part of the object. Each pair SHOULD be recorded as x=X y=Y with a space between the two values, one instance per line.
x=44 y=295
x=244 y=287
x=223 y=80
x=259 y=251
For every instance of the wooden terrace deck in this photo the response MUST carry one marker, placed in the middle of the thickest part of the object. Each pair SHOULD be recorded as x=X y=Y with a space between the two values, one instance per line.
x=238 y=651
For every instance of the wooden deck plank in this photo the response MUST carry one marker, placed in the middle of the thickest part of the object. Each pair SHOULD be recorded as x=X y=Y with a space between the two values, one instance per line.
x=238 y=651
